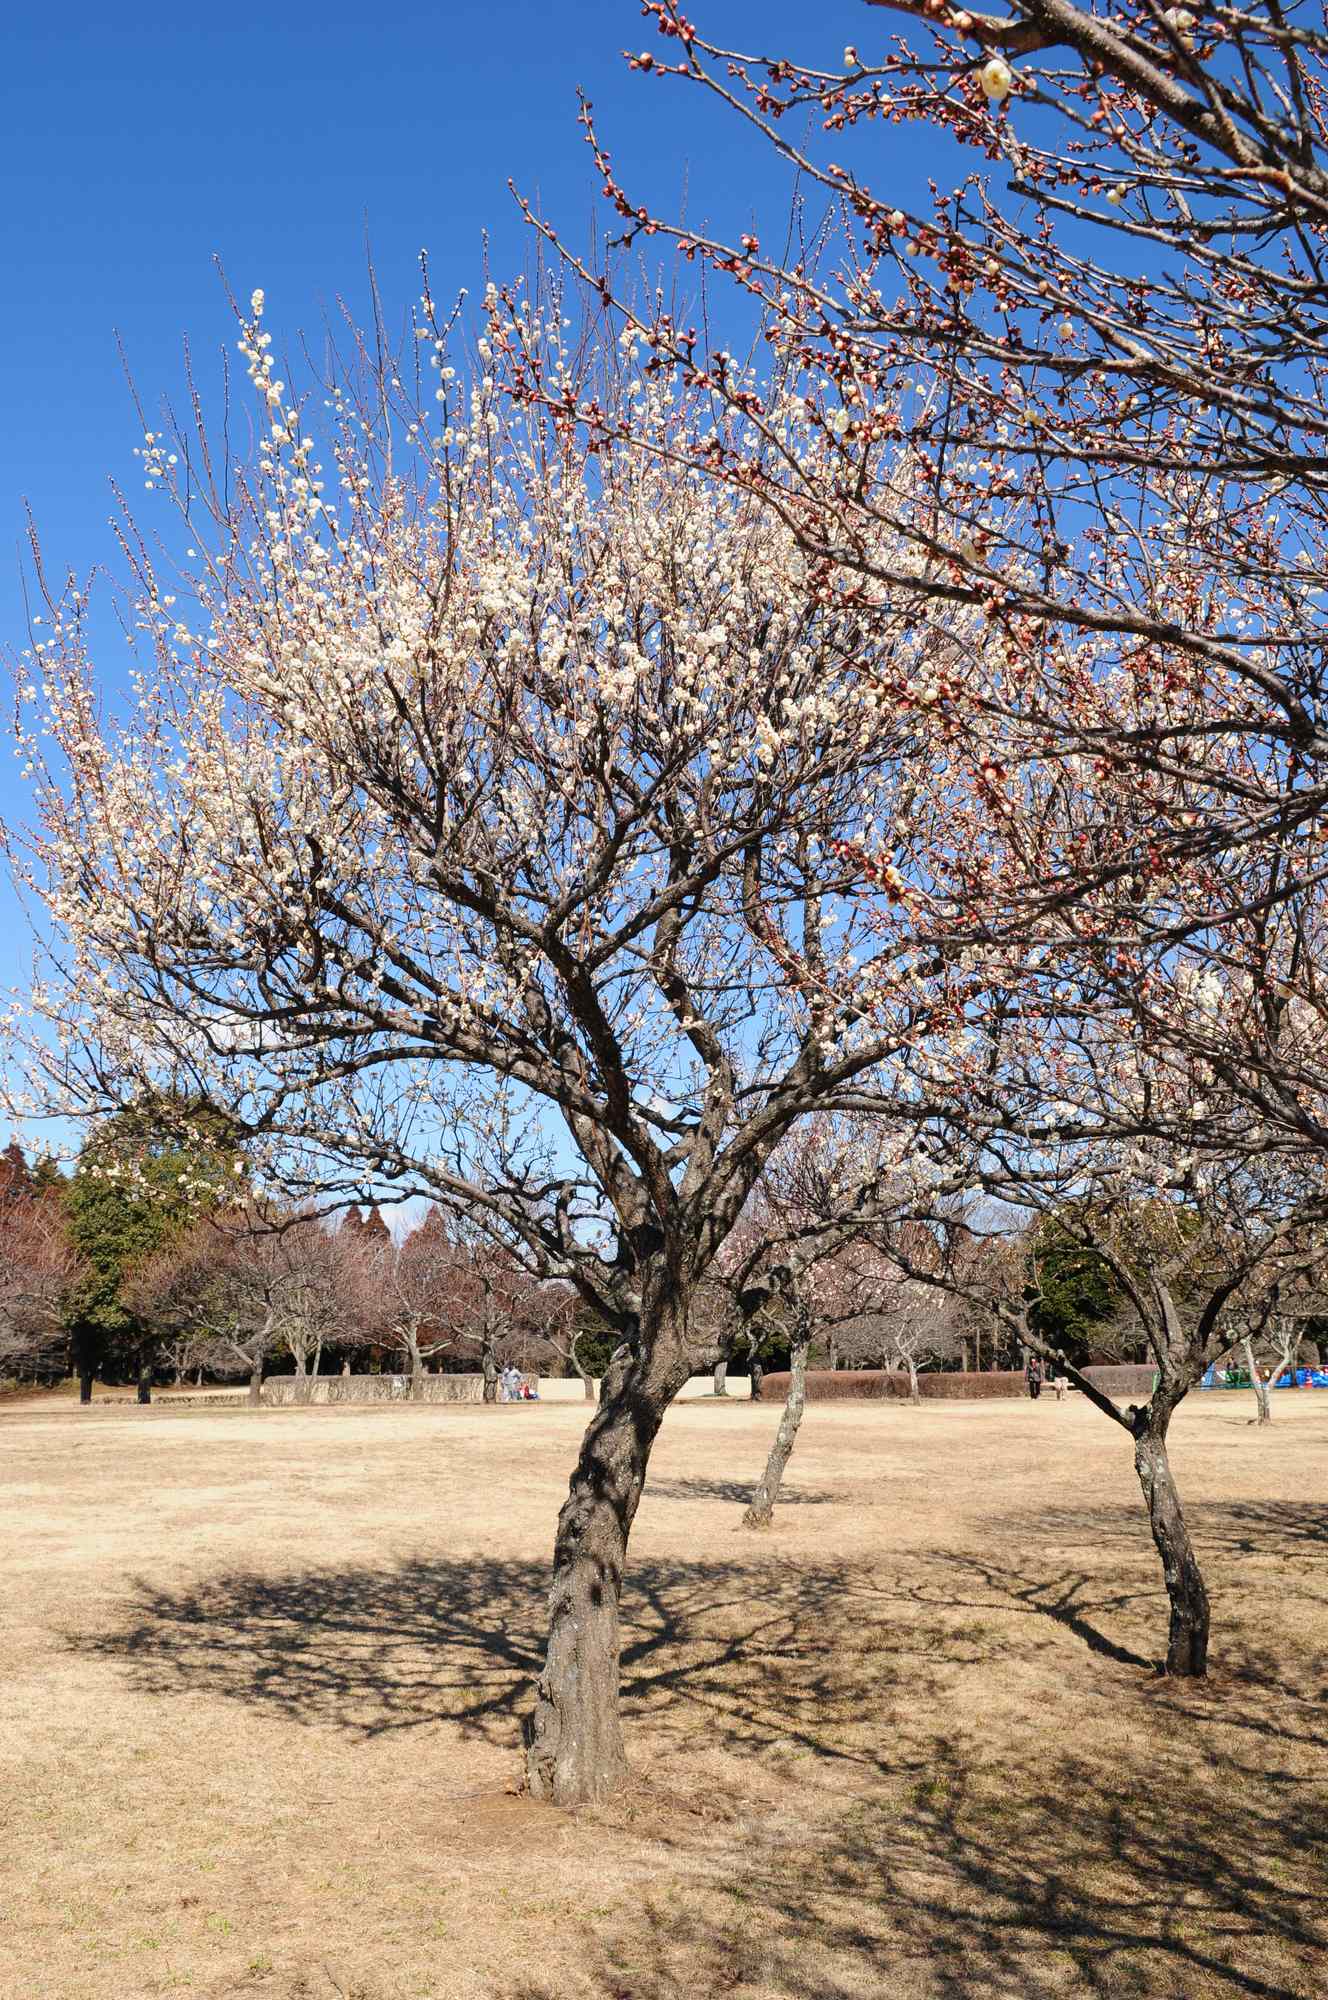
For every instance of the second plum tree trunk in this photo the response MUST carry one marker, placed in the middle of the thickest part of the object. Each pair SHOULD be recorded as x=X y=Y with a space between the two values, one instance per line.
x=761 y=1507
x=1187 y=1639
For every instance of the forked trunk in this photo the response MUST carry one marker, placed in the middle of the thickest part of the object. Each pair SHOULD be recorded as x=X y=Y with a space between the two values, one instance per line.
x=1187 y=1642
x=1262 y=1400
x=574 y=1753
x=762 y=1506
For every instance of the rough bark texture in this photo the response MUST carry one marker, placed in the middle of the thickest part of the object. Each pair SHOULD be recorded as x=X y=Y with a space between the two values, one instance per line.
x=761 y=1509
x=490 y=1366
x=575 y=1752
x=1187 y=1643
x=145 y=1381
x=256 y=1385
x=721 y=1376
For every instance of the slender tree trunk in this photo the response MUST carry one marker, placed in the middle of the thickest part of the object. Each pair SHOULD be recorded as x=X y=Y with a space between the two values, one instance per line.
x=914 y=1394
x=1262 y=1400
x=198 y=1379
x=145 y=1381
x=345 y=1366
x=490 y=1366
x=762 y=1506
x=833 y=1345
x=1187 y=1642
x=303 y=1387
x=721 y=1375
x=86 y=1376
x=256 y=1385
x=575 y=1751
x=757 y=1375
x=318 y=1358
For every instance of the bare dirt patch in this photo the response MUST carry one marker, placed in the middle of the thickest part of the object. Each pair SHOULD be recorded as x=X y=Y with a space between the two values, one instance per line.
x=263 y=1677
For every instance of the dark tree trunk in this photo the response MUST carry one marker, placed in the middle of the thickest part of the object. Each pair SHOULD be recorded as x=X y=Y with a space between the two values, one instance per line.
x=762 y=1506
x=1187 y=1642
x=256 y=1385
x=86 y=1376
x=575 y=1749
x=145 y=1381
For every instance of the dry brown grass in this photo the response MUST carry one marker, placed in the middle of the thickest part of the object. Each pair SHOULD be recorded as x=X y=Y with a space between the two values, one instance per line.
x=263 y=1674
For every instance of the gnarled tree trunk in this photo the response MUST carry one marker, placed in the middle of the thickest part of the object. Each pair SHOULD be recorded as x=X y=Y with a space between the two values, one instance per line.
x=575 y=1751
x=256 y=1385
x=489 y=1363
x=1187 y=1642
x=761 y=1508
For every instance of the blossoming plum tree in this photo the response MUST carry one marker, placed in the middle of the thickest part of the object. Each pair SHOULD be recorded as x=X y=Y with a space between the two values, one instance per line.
x=490 y=818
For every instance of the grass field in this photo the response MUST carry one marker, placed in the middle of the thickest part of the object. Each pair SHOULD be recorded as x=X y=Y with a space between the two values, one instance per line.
x=261 y=1679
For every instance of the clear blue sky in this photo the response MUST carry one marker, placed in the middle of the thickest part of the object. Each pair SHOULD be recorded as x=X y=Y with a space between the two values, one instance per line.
x=138 y=143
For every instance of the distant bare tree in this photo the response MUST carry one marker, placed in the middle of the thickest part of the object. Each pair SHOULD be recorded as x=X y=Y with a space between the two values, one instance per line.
x=37 y=1268
x=244 y=1285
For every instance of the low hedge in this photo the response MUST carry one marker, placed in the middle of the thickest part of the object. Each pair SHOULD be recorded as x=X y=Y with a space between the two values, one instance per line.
x=830 y=1384
x=1129 y=1379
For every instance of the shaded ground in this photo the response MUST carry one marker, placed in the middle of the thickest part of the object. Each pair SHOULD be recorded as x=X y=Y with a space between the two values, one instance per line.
x=263 y=1678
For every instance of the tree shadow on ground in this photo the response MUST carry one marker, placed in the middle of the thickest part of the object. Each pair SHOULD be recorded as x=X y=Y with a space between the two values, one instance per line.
x=1223 y=1527
x=732 y=1492
x=752 y=1649
x=1045 y=1876
x=950 y=1810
